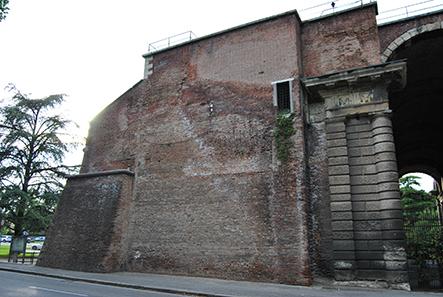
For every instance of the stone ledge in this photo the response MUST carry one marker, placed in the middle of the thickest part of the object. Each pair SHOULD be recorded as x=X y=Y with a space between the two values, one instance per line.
x=102 y=173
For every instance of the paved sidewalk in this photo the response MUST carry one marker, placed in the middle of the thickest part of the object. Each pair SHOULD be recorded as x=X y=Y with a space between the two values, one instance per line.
x=198 y=286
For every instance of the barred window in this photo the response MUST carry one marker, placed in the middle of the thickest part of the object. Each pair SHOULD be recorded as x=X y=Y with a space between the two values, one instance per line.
x=283 y=95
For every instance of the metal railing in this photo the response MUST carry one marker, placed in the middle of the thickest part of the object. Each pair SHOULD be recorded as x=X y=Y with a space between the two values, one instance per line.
x=423 y=226
x=323 y=9
x=409 y=10
x=171 y=41
x=330 y=7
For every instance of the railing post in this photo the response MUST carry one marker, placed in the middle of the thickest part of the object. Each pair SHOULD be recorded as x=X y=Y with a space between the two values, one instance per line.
x=171 y=41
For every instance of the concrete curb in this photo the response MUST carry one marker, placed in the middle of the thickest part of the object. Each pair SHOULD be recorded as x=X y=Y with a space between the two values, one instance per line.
x=116 y=284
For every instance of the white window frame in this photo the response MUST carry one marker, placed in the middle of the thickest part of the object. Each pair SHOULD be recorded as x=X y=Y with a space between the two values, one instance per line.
x=274 y=92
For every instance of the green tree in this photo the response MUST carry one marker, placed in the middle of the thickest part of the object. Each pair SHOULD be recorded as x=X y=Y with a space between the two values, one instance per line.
x=415 y=200
x=424 y=234
x=3 y=9
x=31 y=155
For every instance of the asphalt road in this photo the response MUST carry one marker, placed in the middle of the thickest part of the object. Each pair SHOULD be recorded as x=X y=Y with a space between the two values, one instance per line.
x=23 y=285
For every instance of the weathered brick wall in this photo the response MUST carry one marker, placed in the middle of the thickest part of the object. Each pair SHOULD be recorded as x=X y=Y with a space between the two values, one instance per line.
x=113 y=134
x=348 y=40
x=208 y=181
x=210 y=198
x=389 y=32
x=89 y=230
x=320 y=210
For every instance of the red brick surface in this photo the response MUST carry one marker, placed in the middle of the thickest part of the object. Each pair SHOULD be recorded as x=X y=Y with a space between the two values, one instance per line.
x=209 y=196
x=90 y=228
x=347 y=41
x=389 y=32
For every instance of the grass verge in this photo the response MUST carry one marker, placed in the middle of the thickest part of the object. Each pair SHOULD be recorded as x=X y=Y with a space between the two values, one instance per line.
x=4 y=252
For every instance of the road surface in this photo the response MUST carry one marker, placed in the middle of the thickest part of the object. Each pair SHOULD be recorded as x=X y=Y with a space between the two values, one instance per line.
x=24 y=285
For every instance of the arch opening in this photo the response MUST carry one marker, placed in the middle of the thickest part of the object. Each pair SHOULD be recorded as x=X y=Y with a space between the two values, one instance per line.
x=417 y=120
x=423 y=226
x=418 y=108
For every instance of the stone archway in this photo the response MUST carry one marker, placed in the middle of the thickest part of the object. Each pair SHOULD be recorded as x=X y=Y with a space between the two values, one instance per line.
x=405 y=37
x=417 y=109
x=425 y=169
x=418 y=128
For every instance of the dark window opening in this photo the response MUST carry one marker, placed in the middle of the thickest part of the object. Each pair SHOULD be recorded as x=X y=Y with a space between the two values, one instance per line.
x=284 y=96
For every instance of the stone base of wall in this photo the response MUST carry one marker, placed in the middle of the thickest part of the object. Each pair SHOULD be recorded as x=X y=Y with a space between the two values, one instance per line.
x=373 y=285
x=89 y=227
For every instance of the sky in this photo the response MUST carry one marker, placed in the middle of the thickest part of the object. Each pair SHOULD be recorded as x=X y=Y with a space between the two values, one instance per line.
x=92 y=50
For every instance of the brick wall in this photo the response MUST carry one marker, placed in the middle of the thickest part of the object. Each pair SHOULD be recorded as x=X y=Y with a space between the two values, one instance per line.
x=320 y=209
x=89 y=229
x=210 y=197
x=389 y=32
x=346 y=41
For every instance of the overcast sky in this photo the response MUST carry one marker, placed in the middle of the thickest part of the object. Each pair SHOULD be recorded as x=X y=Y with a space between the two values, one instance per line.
x=91 y=49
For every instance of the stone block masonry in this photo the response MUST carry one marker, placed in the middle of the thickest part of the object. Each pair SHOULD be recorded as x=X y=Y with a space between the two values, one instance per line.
x=368 y=244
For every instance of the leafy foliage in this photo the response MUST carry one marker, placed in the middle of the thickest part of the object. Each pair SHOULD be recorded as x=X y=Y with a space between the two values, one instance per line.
x=424 y=232
x=283 y=131
x=414 y=201
x=31 y=155
x=3 y=9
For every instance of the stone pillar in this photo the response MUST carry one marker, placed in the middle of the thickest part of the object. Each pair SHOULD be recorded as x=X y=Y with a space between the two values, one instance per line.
x=367 y=227
x=390 y=204
x=341 y=204
x=367 y=224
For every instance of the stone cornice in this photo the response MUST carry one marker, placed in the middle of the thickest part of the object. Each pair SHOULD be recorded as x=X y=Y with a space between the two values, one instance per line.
x=391 y=72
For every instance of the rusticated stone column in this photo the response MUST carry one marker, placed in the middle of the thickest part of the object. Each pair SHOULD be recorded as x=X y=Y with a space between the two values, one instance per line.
x=367 y=227
x=341 y=204
x=389 y=198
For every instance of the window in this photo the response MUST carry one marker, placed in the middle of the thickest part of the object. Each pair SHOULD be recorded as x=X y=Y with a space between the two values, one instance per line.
x=283 y=95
